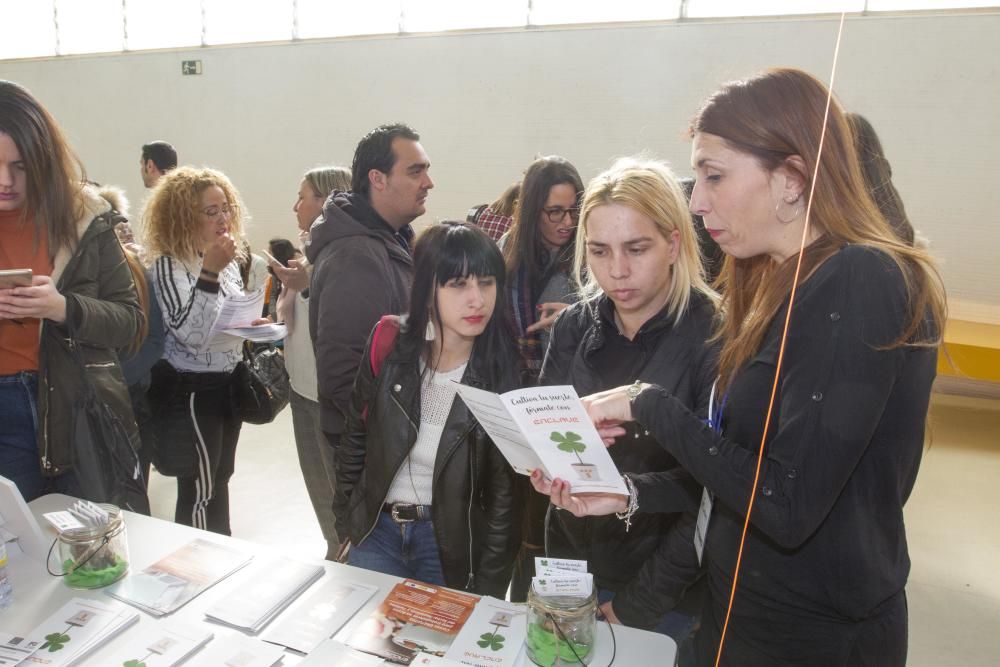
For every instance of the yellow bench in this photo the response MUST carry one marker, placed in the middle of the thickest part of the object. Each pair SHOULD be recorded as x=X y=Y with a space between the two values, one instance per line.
x=974 y=348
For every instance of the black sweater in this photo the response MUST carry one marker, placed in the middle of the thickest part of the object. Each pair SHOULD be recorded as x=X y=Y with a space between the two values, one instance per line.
x=827 y=542
x=587 y=351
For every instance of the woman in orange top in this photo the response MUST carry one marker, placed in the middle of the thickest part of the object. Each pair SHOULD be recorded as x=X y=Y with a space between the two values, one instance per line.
x=80 y=292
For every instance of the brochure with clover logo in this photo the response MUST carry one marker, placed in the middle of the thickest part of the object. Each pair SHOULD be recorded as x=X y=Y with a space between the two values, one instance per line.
x=546 y=428
x=493 y=636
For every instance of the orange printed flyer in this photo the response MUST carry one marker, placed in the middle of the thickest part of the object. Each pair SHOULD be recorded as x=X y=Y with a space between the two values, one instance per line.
x=414 y=617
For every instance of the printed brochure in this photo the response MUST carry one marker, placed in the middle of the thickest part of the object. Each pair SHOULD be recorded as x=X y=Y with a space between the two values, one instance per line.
x=175 y=580
x=493 y=636
x=547 y=428
x=414 y=617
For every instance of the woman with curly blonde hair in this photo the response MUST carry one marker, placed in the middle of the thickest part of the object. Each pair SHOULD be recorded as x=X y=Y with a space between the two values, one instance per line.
x=194 y=229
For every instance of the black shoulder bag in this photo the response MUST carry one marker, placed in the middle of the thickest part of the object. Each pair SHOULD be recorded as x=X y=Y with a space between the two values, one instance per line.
x=260 y=386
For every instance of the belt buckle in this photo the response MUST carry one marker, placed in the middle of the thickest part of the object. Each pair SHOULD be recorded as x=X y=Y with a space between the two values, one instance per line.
x=395 y=512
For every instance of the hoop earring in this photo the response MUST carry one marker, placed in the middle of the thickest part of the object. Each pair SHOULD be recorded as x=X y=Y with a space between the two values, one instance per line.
x=796 y=214
x=429 y=332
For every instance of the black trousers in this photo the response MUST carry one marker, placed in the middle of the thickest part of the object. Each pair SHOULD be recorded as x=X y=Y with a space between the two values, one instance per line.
x=764 y=637
x=203 y=495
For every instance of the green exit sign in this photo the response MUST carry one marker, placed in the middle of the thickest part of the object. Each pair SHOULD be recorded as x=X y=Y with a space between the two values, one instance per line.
x=190 y=67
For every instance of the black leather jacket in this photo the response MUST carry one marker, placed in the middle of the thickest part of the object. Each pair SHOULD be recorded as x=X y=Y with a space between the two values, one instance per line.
x=474 y=514
x=675 y=356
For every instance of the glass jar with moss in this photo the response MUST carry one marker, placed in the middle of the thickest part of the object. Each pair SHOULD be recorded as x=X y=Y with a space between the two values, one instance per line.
x=561 y=629
x=93 y=557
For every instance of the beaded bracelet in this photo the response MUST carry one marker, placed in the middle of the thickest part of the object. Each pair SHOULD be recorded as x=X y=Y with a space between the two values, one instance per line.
x=633 y=503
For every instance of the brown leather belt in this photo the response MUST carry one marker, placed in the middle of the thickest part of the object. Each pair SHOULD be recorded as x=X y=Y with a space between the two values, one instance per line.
x=407 y=512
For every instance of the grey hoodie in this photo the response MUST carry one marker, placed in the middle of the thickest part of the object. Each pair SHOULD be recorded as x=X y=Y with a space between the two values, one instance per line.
x=361 y=271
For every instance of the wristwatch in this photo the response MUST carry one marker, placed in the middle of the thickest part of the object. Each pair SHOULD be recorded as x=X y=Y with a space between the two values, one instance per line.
x=633 y=391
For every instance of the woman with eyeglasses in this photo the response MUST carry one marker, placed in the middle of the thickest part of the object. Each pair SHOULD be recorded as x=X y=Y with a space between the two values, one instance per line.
x=194 y=228
x=538 y=253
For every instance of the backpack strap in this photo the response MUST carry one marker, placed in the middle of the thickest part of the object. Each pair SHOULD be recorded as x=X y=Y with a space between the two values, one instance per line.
x=383 y=340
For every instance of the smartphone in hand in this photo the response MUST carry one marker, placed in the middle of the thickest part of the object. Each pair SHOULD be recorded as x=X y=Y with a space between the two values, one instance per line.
x=15 y=278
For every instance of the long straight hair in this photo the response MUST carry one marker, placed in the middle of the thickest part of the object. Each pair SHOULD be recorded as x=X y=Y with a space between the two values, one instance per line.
x=525 y=242
x=458 y=250
x=773 y=116
x=54 y=172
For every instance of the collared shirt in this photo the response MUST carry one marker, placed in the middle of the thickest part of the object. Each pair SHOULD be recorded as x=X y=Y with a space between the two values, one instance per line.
x=494 y=225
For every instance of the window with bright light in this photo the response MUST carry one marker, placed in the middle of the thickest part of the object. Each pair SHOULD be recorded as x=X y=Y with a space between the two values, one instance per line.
x=710 y=8
x=235 y=21
x=547 y=12
x=322 y=18
x=893 y=5
x=27 y=29
x=154 y=24
x=89 y=27
x=434 y=15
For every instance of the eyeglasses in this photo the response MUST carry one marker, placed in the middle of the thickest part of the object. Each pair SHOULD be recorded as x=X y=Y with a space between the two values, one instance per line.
x=216 y=211
x=558 y=214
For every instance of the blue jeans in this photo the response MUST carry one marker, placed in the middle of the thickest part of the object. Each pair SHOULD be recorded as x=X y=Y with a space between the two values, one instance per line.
x=401 y=549
x=19 y=460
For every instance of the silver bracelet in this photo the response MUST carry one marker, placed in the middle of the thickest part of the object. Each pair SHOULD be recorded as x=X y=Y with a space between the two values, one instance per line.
x=633 y=503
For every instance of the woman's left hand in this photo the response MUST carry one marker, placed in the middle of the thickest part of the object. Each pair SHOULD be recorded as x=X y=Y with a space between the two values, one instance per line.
x=42 y=300
x=579 y=504
x=260 y=321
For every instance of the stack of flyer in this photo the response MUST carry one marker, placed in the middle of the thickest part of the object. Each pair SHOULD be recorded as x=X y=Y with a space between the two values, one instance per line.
x=319 y=614
x=331 y=652
x=161 y=645
x=68 y=636
x=547 y=428
x=238 y=651
x=263 y=591
x=175 y=580
x=413 y=617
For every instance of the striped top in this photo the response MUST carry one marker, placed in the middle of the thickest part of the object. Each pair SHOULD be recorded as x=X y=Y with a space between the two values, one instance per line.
x=190 y=307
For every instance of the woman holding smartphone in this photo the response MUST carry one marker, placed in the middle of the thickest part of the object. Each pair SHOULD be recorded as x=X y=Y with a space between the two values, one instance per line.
x=80 y=292
x=422 y=492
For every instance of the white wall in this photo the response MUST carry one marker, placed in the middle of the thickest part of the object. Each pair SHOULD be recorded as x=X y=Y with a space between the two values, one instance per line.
x=487 y=103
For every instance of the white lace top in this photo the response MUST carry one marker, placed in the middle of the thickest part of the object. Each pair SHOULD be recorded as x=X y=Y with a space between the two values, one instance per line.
x=413 y=480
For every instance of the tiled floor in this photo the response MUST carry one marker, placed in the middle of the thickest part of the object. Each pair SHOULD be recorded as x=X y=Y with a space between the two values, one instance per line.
x=954 y=533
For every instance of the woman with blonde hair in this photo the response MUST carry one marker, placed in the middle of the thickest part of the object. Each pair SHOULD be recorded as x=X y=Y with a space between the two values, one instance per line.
x=824 y=564
x=194 y=228
x=315 y=455
x=645 y=316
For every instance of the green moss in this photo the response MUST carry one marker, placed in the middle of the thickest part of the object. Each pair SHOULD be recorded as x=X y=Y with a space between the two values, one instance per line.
x=87 y=578
x=545 y=645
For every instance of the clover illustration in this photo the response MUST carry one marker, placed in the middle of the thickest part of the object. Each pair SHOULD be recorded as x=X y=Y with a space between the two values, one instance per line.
x=491 y=640
x=56 y=641
x=570 y=442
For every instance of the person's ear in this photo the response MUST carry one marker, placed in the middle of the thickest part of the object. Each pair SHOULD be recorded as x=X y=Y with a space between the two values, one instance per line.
x=675 y=244
x=793 y=170
x=377 y=179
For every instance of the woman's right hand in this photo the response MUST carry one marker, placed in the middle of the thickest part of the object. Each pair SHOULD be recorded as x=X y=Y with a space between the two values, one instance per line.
x=219 y=254
x=294 y=276
x=580 y=504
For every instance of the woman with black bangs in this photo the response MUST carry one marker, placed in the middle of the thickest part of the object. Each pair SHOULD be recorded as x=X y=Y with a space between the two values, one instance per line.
x=436 y=503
